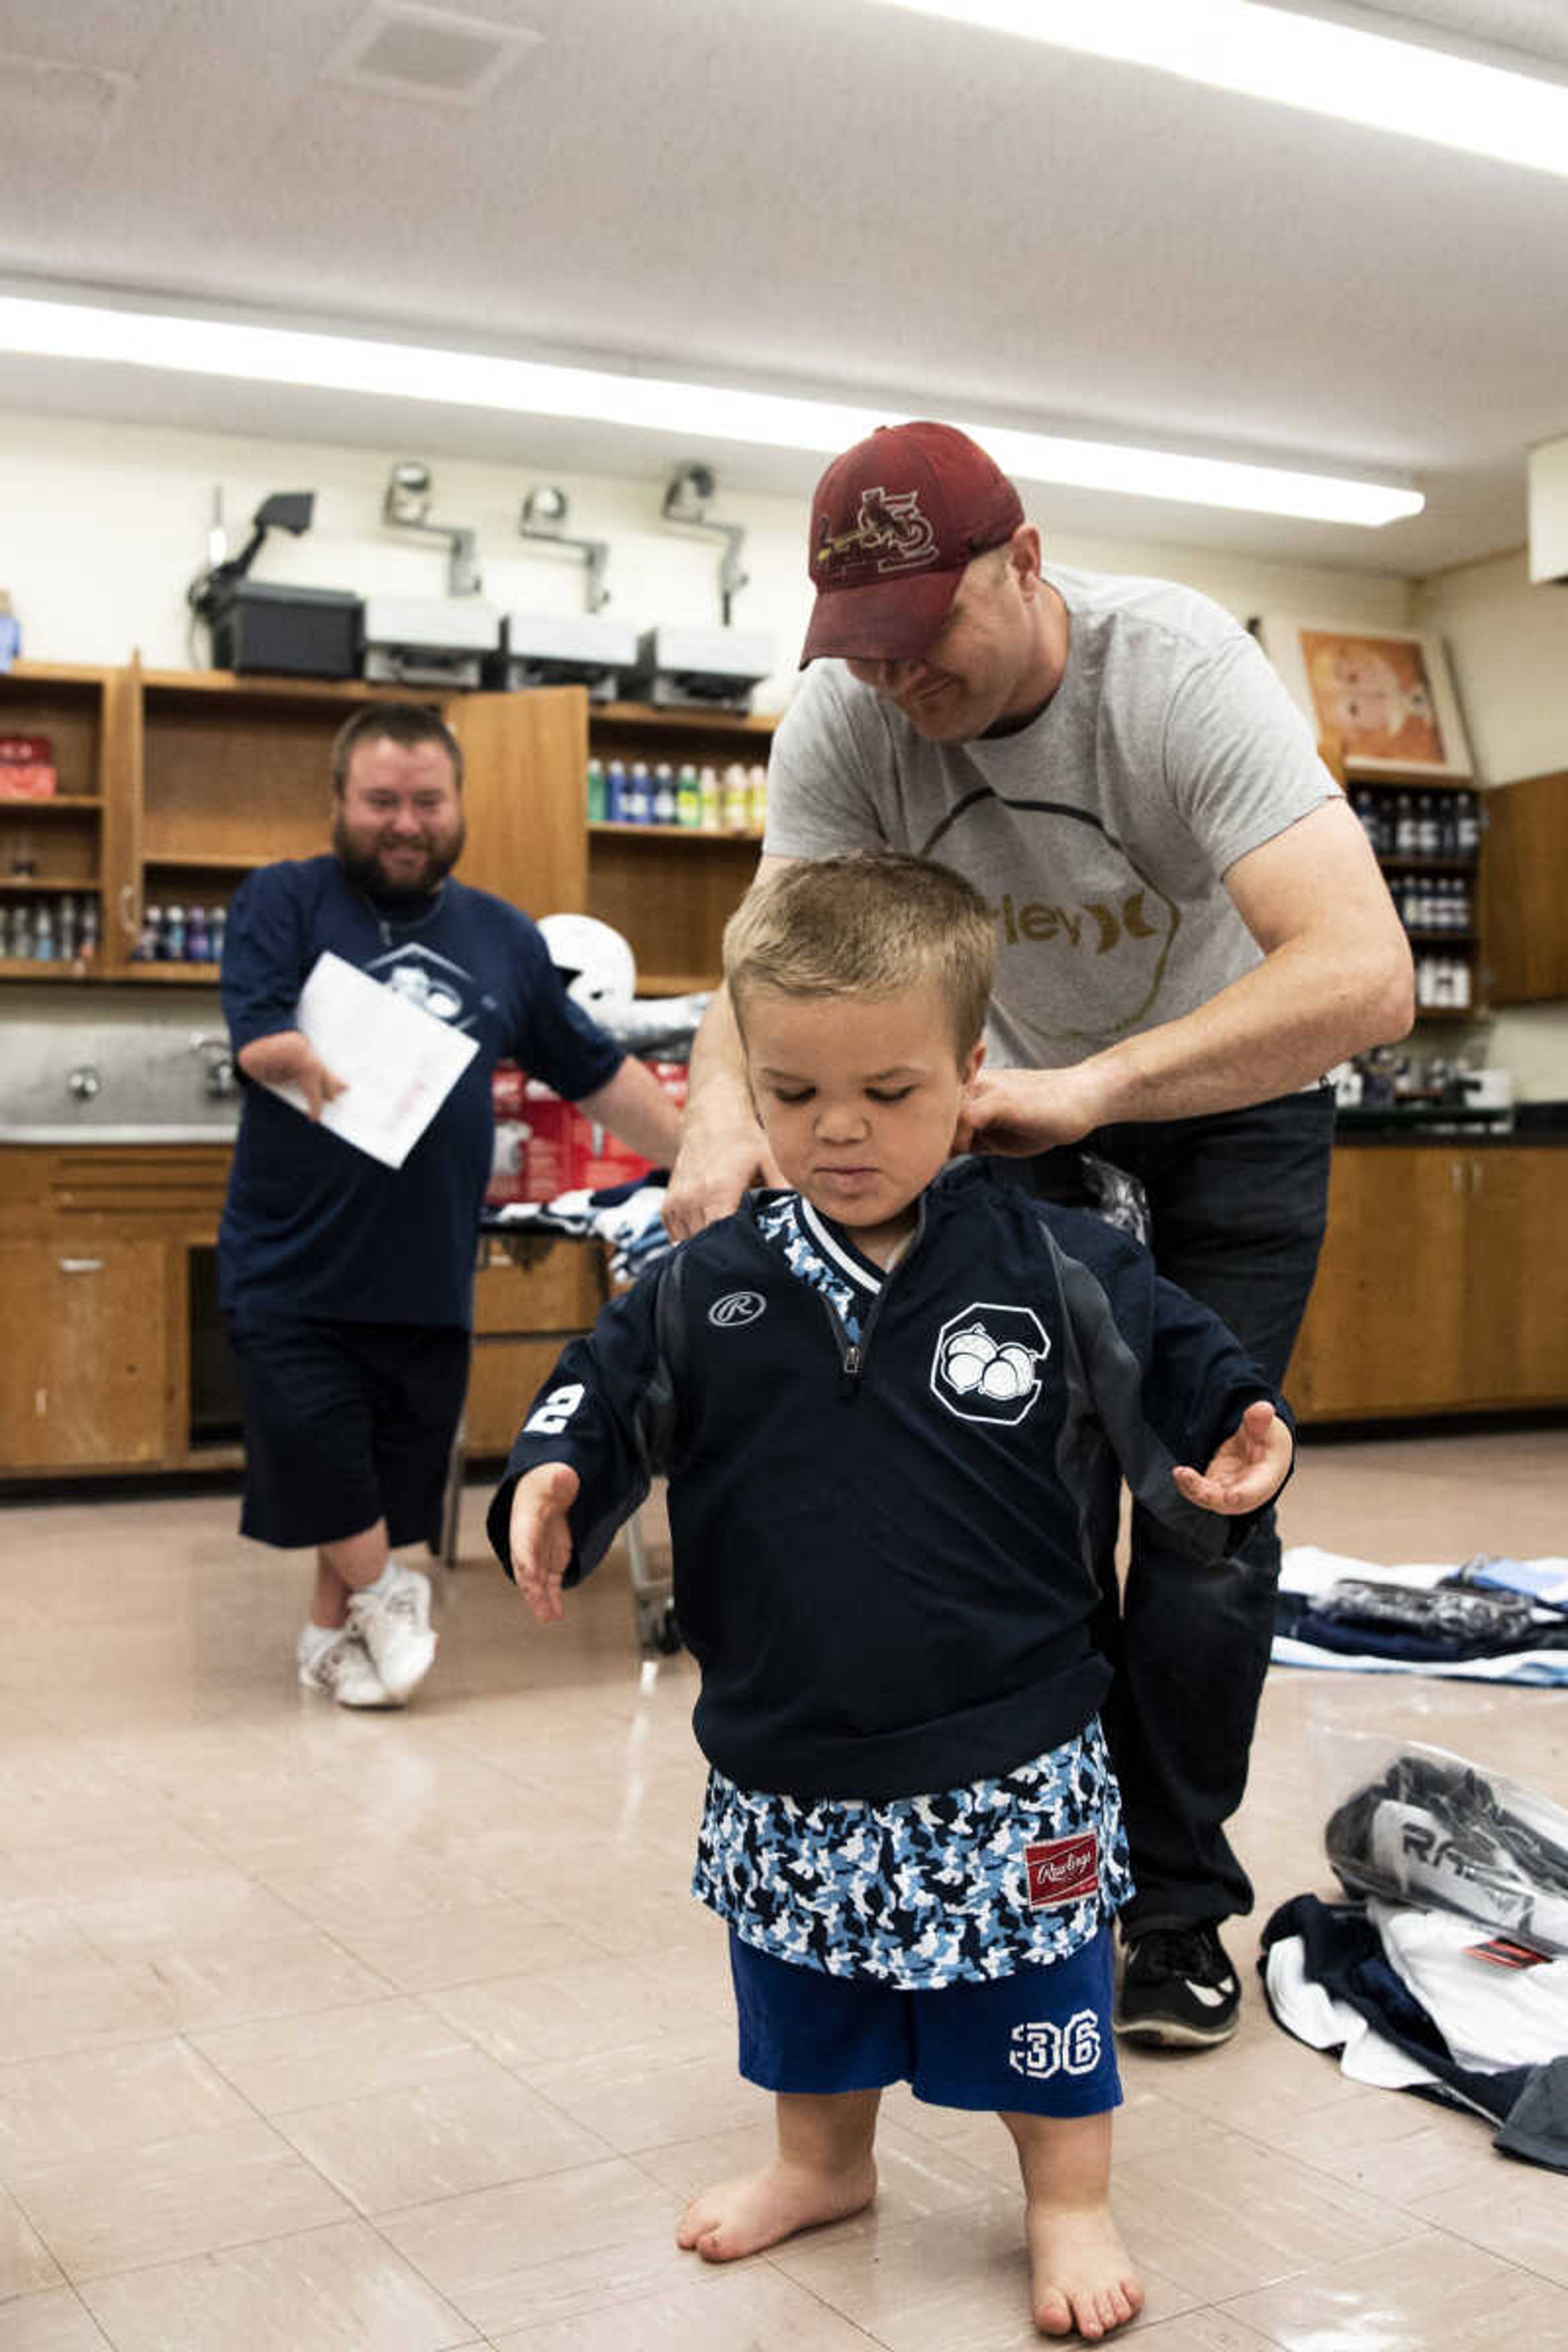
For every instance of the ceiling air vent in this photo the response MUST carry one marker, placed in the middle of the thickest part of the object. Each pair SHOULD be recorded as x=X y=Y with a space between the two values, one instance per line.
x=400 y=49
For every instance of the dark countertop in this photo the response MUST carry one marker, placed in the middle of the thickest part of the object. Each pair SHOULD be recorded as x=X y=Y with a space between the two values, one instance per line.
x=1531 y=1123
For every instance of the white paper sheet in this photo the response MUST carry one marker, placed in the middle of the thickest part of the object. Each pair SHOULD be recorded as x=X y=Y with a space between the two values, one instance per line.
x=398 y=1064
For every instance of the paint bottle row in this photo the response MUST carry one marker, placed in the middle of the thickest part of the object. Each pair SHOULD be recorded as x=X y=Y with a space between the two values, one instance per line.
x=699 y=799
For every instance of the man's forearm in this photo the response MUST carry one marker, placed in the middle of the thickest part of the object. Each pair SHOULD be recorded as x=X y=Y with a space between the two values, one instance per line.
x=634 y=1107
x=280 y=1059
x=1305 y=1007
x=718 y=1099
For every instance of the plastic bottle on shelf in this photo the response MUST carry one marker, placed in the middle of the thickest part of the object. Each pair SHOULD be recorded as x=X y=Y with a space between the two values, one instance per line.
x=1462 y=984
x=1447 y=822
x=615 y=792
x=736 y=812
x=146 y=948
x=757 y=796
x=87 y=932
x=19 y=932
x=688 y=798
x=1405 y=828
x=65 y=928
x=636 y=794
x=43 y=934
x=219 y=923
x=1467 y=825
x=198 y=943
x=1365 y=805
x=1428 y=832
x=663 y=808
x=172 y=937
x=596 y=792
x=708 y=800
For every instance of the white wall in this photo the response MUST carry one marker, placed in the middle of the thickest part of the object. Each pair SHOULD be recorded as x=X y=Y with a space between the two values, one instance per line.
x=106 y=524
x=1507 y=644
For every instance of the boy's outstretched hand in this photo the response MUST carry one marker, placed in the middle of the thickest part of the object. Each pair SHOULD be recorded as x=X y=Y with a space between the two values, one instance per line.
x=541 y=1539
x=1249 y=1467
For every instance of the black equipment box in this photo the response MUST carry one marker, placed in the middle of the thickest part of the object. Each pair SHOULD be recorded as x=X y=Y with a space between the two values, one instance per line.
x=292 y=632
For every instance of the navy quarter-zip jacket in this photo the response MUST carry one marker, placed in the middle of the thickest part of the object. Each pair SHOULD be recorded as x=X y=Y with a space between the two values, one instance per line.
x=883 y=1554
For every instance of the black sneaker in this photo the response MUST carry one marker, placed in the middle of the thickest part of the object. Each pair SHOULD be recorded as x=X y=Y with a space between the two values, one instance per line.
x=1178 y=1989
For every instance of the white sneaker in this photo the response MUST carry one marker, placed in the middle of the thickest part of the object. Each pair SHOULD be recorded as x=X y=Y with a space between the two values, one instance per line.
x=344 y=1671
x=395 y=1629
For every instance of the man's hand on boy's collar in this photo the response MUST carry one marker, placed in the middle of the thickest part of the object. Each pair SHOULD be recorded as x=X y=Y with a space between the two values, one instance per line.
x=1017 y=1112
x=1247 y=1471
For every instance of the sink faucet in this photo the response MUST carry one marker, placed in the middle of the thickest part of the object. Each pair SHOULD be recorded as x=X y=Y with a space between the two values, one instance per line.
x=221 y=1082
x=83 y=1082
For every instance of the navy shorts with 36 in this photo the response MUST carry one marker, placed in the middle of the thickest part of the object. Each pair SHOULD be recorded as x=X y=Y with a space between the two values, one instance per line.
x=346 y=1424
x=1036 y=2043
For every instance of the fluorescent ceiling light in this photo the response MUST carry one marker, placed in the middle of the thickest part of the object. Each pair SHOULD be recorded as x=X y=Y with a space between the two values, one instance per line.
x=1304 y=61
x=702 y=413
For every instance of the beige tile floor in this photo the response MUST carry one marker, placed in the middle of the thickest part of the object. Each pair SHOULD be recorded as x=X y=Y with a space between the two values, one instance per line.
x=323 y=2032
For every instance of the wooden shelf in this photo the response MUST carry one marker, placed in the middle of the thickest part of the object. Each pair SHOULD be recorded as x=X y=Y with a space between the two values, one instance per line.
x=48 y=885
x=704 y=834
x=51 y=805
x=644 y=719
x=174 y=974
x=38 y=673
x=675 y=983
x=51 y=968
x=220 y=861
x=267 y=687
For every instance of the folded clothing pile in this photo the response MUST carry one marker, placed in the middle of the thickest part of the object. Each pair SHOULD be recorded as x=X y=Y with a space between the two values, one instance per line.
x=1447 y=1971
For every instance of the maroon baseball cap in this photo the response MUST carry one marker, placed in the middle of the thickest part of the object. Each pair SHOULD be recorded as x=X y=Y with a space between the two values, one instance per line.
x=893 y=523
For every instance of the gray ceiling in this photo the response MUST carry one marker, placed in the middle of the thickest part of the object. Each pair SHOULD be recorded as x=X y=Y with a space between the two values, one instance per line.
x=823 y=195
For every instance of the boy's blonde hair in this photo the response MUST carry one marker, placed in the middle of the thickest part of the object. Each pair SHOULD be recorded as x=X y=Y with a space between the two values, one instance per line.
x=872 y=924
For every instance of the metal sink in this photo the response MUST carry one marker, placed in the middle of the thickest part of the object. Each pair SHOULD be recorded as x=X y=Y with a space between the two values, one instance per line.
x=117 y=1081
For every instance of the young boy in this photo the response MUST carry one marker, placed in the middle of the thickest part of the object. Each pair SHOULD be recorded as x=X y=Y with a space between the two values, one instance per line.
x=889 y=1401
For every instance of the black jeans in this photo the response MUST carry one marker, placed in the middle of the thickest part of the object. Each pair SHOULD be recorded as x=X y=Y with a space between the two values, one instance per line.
x=1237 y=1204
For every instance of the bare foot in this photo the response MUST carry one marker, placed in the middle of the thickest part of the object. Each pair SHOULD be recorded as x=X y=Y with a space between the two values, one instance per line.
x=1084 y=2276
x=740 y=2217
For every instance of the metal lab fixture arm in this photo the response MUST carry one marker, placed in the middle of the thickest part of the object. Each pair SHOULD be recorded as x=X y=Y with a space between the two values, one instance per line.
x=405 y=507
x=686 y=503
x=543 y=516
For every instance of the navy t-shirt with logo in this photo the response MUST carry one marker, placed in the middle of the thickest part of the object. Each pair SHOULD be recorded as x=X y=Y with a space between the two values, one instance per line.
x=312 y=1227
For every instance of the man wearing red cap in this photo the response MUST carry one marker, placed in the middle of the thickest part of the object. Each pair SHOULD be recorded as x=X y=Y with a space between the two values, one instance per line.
x=1191 y=930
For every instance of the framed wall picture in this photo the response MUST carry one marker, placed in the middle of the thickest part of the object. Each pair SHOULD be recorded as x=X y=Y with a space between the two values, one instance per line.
x=1384 y=694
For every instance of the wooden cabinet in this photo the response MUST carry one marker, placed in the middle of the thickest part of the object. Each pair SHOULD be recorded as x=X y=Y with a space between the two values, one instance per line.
x=1426 y=834
x=523 y=1315
x=671 y=889
x=1443 y=1285
x=1525 y=878
x=174 y=784
x=64 y=850
x=96 y=1245
x=229 y=773
x=85 y=1375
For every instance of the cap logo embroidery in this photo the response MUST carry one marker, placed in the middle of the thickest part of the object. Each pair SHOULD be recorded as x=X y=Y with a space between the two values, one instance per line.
x=888 y=520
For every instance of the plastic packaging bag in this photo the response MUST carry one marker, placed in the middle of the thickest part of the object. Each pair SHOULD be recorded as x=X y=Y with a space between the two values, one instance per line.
x=1421 y=1825
x=1441 y=1613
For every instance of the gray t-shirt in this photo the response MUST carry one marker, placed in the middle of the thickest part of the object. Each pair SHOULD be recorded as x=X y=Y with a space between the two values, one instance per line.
x=1100 y=833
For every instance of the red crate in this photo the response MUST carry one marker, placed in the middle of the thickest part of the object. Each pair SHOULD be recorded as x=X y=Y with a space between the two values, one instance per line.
x=545 y=1146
